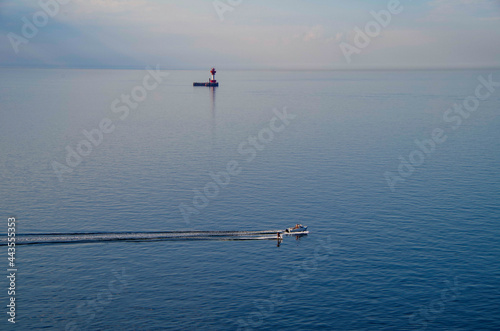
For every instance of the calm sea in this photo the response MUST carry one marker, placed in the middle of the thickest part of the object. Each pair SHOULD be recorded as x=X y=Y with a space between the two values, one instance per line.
x=400 y=191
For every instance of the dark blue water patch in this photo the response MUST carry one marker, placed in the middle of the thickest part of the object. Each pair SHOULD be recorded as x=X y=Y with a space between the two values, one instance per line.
x=423 y=256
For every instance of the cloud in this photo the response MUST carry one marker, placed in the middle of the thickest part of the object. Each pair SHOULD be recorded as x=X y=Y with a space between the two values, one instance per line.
x=189 y=34
x=170 y=34
x=448 y=10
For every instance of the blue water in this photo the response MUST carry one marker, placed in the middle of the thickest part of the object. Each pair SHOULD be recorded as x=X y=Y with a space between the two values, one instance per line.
x=424 y=255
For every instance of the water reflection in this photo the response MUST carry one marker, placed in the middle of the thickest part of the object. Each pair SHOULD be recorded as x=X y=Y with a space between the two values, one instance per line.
x=213 y=113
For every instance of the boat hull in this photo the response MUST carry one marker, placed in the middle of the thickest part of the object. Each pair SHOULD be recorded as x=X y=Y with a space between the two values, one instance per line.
x=297 y=230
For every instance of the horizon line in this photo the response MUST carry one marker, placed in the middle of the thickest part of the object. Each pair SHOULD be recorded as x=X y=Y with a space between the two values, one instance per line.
x=231 y=68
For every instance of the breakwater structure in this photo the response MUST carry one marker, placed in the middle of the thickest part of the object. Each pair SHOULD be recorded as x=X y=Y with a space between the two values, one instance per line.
x=211 y=82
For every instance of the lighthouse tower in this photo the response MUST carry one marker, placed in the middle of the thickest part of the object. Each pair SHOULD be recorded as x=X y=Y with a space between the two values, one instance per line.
x=212 y=80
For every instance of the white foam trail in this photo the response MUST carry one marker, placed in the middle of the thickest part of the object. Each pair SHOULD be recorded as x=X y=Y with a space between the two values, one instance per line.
x=60 y=238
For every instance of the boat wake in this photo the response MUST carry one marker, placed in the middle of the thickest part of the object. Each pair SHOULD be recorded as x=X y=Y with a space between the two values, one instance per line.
x=67 y=238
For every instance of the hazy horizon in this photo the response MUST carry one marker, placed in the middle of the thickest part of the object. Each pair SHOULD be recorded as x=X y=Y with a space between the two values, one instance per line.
x=165 y=67
x=244 y=35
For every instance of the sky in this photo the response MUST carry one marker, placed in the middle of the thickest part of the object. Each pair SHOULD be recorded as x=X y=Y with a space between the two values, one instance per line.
x=250 y=34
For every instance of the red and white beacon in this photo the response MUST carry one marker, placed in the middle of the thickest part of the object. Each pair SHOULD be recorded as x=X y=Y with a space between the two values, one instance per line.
x=211 y=82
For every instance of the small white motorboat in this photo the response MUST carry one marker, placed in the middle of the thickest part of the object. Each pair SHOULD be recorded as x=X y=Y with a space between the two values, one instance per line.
x=297 y=229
